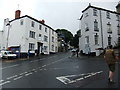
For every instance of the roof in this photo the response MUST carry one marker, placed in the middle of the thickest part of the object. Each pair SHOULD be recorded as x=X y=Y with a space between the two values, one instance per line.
x=99 y=9
x=32 y=19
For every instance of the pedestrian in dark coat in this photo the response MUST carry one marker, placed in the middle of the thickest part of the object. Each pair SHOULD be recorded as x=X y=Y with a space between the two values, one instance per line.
x=77 y=52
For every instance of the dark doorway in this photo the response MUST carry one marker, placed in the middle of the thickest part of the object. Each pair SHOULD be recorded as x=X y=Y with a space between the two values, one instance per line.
x=39 y=48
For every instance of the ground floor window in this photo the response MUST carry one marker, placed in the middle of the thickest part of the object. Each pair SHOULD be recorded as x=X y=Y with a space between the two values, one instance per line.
x=52 y=47
x=31 y=46
x=96 y=39
x=45 y=48
x=87 y=39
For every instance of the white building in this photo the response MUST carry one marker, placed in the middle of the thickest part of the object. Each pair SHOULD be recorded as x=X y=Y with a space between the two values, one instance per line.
x=26 y=33
x=99 y=28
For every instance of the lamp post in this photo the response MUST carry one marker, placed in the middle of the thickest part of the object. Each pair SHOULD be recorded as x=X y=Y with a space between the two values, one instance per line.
x=8 y=34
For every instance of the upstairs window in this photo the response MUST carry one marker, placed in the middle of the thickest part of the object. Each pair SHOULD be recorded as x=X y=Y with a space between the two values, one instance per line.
x=109 y=40
x=108 y=15
x=118 y=29
x=117 y=18
x=32 y=24
x=86 y=27
x=94 y=12
x=86 y=15
x=40 y=27
x=52 y=39
x=45 y=29
x=32 y=34
x=45 y=38
x=40 y=37
x=96 y=25
x=109 y=27
x=21 y=22
x=52 y=32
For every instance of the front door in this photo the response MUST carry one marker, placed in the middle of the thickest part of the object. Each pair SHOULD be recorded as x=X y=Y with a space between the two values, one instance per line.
x=39 y=49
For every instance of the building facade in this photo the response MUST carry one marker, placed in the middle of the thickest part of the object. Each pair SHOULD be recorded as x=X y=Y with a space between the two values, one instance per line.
x=99 y=29
x=26 y=33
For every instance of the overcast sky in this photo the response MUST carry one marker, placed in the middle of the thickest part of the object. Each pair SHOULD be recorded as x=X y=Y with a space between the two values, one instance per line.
x=58 y=14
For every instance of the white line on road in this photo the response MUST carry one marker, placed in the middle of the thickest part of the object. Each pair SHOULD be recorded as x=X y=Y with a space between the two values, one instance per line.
x=28 y=74
x=10 y=66
x=12 y=77
x=23 y=73
x=18 y=78
x=34 y=60
x=44 y=65
x=4 y=83
x=33 y=69
x=1 y=81
x=66 y=80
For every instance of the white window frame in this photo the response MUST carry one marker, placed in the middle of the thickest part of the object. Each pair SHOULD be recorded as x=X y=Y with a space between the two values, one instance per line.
x=31 y=46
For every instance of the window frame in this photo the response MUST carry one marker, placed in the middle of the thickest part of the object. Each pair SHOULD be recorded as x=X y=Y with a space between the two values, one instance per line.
x=95 y=12
x=32 y=34
x=31 y=46
x=96 y=39
x=96 y=25
x=32 y=24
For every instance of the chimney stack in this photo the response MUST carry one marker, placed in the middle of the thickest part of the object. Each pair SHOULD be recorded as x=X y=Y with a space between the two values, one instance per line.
x=42 y=21
x=17 y=14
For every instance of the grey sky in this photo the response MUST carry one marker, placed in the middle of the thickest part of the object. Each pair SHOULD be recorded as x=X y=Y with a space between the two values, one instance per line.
x=59 y=14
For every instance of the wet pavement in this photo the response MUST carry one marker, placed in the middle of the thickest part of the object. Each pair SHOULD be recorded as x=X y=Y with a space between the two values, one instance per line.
x=57 y=71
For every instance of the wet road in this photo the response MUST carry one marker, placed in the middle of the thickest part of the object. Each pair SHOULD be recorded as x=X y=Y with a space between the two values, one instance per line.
x=57 y=71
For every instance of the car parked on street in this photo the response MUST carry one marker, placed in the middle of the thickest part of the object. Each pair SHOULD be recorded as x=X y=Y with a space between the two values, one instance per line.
x=8 y=55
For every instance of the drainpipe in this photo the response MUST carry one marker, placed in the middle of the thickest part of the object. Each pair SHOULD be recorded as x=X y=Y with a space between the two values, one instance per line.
x=101 y=29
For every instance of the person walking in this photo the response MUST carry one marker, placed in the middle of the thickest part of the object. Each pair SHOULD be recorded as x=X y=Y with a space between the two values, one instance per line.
x=110 y=59
x=77 y=52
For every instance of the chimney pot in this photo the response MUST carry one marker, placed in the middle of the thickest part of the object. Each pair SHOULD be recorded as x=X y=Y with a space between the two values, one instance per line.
x=17 y=14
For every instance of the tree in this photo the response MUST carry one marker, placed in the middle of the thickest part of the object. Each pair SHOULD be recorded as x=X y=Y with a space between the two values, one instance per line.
x=66 y=35
x=75 y=41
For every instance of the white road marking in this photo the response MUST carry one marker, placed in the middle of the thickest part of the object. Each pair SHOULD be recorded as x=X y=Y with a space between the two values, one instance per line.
x=1 y=81
x=18 y=78
x=41 y=69
x=10 y=66
x=65 y=79
x=4 y=83
x=35 y=60
x=23 y=73
x=44 y=65
x=33 y=69
x=28 y=74
x=12 y=77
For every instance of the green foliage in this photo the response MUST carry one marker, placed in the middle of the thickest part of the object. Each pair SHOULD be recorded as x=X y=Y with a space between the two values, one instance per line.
x=75 y=41
x=65 y=34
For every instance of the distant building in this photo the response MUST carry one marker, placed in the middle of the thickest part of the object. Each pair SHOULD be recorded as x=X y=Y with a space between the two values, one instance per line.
x=26 y=33
x=99 y=28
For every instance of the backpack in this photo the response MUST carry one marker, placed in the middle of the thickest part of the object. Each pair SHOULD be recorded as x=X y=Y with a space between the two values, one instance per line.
x=110 y=56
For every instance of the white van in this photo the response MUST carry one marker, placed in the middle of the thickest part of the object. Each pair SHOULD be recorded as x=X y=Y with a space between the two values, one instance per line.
x=8 y=55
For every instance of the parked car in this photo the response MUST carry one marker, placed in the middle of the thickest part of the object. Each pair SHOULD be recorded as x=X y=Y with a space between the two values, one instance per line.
x=8 y=55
